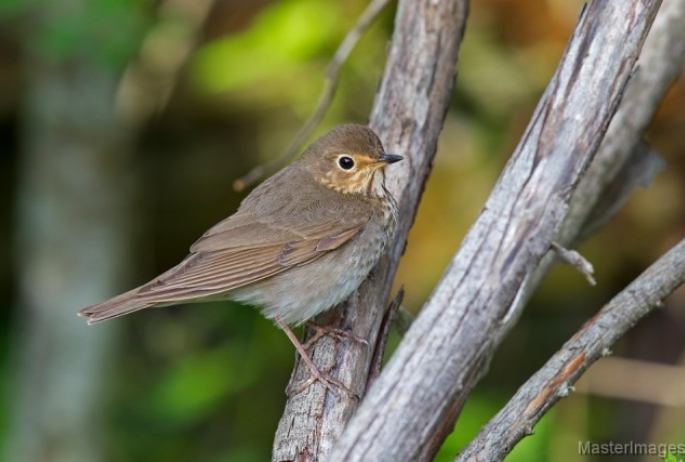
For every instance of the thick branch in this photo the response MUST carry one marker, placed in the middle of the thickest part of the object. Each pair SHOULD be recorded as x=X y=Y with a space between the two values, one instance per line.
x=623 y=162
x=553 y=381
x=659 y=65
x=434 y=365
x=408 y=115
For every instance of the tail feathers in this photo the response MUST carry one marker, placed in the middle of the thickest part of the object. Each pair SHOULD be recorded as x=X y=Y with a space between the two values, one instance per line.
x=120 y=305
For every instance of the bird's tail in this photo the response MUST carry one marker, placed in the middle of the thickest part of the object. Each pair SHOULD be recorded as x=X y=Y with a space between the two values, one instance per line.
x=120 y=305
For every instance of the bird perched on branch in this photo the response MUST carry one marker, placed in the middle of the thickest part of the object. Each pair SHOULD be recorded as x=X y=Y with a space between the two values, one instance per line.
x=300 y=243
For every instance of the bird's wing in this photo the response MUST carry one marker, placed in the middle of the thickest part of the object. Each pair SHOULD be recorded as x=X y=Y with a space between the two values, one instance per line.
x=242 y=250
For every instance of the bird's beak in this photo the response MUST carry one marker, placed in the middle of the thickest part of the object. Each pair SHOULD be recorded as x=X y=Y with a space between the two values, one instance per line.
x=390 y=158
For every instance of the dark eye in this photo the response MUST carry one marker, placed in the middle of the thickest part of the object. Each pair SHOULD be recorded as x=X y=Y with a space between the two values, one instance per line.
x=345 y=163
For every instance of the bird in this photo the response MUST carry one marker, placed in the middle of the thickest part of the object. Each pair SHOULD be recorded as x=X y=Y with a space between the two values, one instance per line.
x=299 y=244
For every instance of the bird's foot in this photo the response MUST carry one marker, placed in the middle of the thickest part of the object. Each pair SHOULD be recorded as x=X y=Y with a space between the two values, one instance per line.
x=334 y=386
x=341 y=334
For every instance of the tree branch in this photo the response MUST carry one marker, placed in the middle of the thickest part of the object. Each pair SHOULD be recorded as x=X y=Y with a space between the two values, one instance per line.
x=408 y=114
x=623 y=162
x=553 y=381
x=659 y=65
x=437 y=364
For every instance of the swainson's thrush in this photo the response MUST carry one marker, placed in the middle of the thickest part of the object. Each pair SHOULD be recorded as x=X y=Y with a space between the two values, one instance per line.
x=299 y=244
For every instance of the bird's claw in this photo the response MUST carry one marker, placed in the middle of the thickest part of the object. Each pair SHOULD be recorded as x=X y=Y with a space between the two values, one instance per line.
x=333 y=385
x=341 y=334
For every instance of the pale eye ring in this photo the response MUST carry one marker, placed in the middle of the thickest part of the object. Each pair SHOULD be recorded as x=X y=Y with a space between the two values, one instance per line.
x=346 y=163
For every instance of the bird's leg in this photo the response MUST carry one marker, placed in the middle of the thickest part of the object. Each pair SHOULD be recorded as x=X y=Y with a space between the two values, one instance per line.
x=320 y=331
x=322 y=377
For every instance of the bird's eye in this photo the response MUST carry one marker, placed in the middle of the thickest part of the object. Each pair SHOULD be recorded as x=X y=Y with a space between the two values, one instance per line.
x=346 y=163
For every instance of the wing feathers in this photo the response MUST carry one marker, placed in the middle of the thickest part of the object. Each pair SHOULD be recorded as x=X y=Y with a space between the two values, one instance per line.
x=250 y=246
x=213 y=272
x=244 y=249
x=333 y=241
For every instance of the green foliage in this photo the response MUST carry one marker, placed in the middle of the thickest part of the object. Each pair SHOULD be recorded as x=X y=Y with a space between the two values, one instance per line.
x=479 y=409
x=207 y=385
x=671 y=458
x=197 y=383
x=11 y=9
x=280 y=39
x=103 y=32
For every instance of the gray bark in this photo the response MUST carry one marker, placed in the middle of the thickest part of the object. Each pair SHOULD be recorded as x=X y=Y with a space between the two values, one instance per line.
x=623 y=162
x=555 y=379
x=408 y=114
x=442 y=355
x=659 y=65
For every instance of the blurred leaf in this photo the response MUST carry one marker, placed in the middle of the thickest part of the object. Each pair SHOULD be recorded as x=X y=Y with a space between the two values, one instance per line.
x=11 y=8
x=106 y=32
x=198 y=382
x=240 y=454
x=670 y=458
x=479 y=409
x=4 y=382
x=535 y=446
x=280 y=39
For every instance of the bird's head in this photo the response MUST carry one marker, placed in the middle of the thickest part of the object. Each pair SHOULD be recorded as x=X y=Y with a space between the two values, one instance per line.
x=349 y=159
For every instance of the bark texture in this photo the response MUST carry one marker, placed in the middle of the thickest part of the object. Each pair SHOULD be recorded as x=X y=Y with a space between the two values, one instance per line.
x=408 y=115
x=443 y=353
x=555 y=379
x=622 y=163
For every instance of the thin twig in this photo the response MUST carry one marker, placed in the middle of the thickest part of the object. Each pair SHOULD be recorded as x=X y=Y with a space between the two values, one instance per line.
x=576 y=260
x=332 y=77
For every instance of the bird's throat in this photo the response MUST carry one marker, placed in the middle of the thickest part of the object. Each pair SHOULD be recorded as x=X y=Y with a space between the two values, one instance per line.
x=368 y=183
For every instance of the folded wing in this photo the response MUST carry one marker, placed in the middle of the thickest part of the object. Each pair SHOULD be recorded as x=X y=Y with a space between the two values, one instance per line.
x=240 y=251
